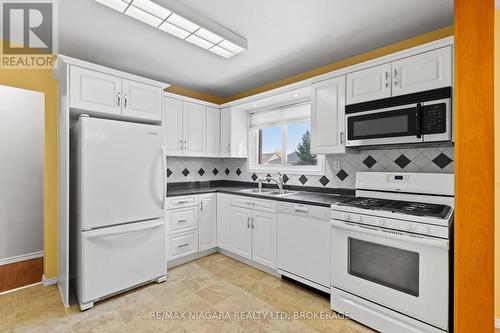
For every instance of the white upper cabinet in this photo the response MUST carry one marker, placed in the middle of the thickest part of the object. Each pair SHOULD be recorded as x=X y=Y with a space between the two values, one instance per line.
x=141 y=100
x=95 y=91
x=264 y=238
x=213 y=131
x=369 y=84
x=194 y=129
x=234 y=133
x=422 y=72
x=327 y=116
x=172 y=122
x=208 y=222
x=102 y=94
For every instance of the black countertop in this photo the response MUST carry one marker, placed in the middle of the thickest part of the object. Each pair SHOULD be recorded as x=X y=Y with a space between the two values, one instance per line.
x=316 y=196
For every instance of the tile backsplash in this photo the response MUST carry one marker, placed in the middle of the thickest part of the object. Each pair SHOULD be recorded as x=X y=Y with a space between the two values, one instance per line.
x=440 y=159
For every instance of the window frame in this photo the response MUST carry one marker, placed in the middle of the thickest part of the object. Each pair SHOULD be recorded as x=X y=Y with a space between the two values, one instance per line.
x=253 y=156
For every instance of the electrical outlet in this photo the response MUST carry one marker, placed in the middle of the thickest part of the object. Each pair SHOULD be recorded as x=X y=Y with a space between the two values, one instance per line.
x=336 y=165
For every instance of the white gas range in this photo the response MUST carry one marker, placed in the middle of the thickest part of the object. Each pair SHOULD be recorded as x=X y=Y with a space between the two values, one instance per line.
x=391 y=251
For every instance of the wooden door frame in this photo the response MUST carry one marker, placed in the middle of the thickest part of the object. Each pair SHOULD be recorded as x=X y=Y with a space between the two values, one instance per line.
x=474 y=166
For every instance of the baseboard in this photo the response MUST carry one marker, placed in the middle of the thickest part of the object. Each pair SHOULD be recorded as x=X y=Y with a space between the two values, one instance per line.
x=22 y=257
x=191 y=257
x=497 y=323
x=16 y=289
x=249 y=262
x=48 y=282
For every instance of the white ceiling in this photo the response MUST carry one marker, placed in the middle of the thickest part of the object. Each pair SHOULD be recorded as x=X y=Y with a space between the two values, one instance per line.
x=285 y=37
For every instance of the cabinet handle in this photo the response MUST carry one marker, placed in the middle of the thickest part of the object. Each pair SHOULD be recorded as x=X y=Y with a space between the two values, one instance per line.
x=182 y=202
x=248 y=222
x=342 y=138
x=119 y=98
x=125 y=100
x=395 y=77
x=201 y=205
x=182 y=221
x=185 y=144
x=228 y=147
x=387 y=74
x=253 y=225
x=183 y=245
x=302 y=211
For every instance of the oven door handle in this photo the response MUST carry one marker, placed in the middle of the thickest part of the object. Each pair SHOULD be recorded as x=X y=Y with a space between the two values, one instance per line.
x=392 y=234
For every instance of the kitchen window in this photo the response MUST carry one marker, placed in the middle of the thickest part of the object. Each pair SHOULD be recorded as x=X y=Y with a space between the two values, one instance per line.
x=280 y=140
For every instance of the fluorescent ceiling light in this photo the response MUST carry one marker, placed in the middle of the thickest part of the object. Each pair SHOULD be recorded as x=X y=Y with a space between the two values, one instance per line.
x=182 y=23
x=199 y=42
x=208 y=35
x=118 y=5
x=222 y=52
x=173 y=30
x=231 y=46
x=152 y=8
x=142 y=16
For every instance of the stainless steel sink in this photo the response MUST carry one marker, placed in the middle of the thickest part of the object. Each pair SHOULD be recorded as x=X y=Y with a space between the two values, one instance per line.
x=259 y=191
x=268 y=191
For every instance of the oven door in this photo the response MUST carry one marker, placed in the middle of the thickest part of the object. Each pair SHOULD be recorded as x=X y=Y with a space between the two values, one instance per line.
x=392 y=125
x=404 y=272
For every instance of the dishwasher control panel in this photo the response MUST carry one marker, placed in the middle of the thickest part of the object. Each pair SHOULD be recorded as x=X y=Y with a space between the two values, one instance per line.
x=316 y=212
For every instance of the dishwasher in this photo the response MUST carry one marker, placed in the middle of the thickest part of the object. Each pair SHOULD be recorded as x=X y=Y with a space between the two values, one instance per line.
x=304 y=244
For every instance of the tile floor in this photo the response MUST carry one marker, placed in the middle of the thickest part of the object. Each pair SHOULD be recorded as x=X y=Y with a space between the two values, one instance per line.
x=210 y=285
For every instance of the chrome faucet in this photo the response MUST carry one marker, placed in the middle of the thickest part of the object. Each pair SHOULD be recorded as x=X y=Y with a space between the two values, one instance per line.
x=278 y=181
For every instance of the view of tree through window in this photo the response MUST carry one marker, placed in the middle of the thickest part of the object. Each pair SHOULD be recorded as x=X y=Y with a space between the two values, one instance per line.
x=297 y=146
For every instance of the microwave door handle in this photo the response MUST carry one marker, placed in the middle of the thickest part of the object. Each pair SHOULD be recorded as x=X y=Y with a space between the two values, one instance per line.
x=418 y=120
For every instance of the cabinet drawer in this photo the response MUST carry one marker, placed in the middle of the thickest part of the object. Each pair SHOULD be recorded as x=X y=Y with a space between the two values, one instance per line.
x=182 y=201
x=182 y=219
x=182 y=245
x=252 y=203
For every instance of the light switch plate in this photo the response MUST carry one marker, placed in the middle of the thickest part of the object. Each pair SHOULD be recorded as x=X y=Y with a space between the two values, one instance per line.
x=336 y=165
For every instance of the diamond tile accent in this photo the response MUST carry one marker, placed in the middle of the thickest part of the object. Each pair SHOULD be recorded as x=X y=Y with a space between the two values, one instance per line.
x=402 y=161
x=342 y=174
x=215 y=171
x=285 y=179
x=303 y=179
x=442 y=160
x=254 y=177
x=323 y=180
x=201 y=172
x=227 y=171
x=268 y=180
x=238 y=171
x=369 y=161
x=169 y=172
x=185 y=172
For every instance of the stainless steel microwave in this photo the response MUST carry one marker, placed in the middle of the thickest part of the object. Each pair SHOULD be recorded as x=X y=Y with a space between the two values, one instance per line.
x=415 y=118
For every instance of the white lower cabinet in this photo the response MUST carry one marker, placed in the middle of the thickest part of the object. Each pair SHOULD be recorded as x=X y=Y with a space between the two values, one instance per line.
x=252 y=233
x=182 y=244
x=223 y=220
x=208 y=221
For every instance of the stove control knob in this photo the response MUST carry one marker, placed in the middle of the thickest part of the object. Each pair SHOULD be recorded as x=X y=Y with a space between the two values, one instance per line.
x=380 y=222
x=356 y=218
x=423 y=229
x=405 y=226
x=346 y=217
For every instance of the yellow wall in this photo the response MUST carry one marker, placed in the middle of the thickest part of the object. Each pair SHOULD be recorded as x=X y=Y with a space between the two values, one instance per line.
x=497 y=164
x=41 y=80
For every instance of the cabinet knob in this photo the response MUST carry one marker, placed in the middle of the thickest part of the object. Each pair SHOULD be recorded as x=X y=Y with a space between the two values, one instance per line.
x=118 y=99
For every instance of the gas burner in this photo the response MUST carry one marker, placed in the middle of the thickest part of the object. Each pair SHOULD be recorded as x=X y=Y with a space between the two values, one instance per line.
x=418 y=208
x=366 y=203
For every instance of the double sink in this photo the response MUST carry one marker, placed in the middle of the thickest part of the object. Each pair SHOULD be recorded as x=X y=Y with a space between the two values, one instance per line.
x=268 y=191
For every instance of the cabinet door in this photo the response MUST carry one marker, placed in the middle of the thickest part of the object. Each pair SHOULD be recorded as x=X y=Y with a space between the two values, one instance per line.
x=172 y=123
x=94 y=91
x=208 y=221
x=240 y=232
x=141 y=101
x=194 y=125
x=225 y=132
x=422 y=72
x=213 y=131
x=369 y=84
x=264 y=238
x=223 y=219
x=327 y=116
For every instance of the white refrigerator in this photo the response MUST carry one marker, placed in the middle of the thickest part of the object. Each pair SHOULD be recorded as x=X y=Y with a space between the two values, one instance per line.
x=118 y=195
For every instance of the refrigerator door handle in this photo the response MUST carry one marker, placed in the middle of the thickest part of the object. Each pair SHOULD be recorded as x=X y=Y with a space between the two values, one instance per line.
x=105 y=232
x=164 y=166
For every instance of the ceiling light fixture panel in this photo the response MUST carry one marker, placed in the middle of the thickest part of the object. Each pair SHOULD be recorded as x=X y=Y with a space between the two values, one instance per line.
x=167 y=20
